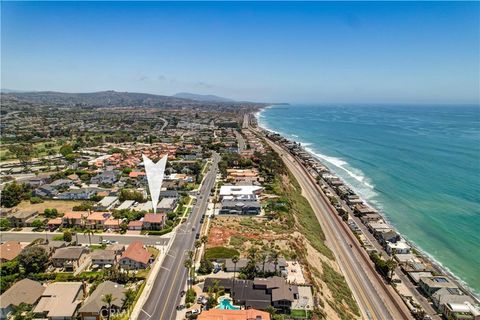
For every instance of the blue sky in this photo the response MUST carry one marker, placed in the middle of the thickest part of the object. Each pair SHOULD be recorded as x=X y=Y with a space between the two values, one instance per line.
x=275 y=51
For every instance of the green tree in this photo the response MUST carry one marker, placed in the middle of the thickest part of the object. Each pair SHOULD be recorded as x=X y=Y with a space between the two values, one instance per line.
x=274 y=255
x=23 y=152
x=38 y=224
x=67 y=236
x=22 y=312
x=12 y=194
x=66 y=149
x=235 y=261
x=188 y=264
x=206 y=266
x=129 y=299
x=50 y=213
x=4 y=224
x=90 y=233
x=33 y=259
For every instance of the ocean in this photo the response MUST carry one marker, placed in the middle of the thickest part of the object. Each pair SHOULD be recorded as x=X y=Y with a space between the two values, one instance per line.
x=419 y=165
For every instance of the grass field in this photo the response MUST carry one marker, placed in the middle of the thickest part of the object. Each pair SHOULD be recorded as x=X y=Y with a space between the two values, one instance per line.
x=61 y=205
x=220 y=253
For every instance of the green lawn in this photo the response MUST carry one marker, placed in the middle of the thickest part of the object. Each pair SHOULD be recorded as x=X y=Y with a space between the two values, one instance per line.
x=220 y=253
x=300 y=313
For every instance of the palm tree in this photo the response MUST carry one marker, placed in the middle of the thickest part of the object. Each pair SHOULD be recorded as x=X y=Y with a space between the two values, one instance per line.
x=188 y=265
x=129 y=299
x=204 y=239
x=274 y=258
x=108 y=299
x=263 y=258
x=89 y=232
x=234 y=260
x=391 y=265
x=198 y=244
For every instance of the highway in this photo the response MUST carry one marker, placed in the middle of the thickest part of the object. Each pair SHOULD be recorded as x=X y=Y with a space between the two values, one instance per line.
x=373 y=297
x=172 y=278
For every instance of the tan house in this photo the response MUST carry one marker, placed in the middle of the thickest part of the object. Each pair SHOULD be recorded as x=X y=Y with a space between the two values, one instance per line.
x=60 y=301
x=136 y=256
x=19 y=219
x=69 y=258
x=113 y=224
x=74 y=218
x=94 y=308
x=24 y=291
x=97 y=220
x=153 y=221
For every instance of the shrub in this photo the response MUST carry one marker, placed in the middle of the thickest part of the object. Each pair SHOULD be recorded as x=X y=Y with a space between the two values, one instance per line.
x=34 y=200
x=4 y=224
x=67 y=236
x=190 y=296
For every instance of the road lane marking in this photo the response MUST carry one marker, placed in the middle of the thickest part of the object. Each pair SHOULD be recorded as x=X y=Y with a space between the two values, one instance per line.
x=162 y=267
x=149 y=316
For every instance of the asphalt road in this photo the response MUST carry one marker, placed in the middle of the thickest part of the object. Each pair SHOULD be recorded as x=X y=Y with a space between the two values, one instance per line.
x=165 y=294
x=83 y=238
x=370 y=293
x=241 y=141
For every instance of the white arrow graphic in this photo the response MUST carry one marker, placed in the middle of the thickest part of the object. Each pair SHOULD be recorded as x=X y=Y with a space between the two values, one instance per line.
x=155 y=173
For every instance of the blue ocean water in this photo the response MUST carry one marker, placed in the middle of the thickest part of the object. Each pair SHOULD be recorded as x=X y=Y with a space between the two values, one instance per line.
x=419 y=165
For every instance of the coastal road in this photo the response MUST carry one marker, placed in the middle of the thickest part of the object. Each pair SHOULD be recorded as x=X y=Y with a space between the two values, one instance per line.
x=241 y=142
x=370 y=293
x=22 y=236
x=165 y=294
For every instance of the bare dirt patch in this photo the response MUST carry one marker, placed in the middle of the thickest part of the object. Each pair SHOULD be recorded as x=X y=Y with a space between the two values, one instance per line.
x=61 y=205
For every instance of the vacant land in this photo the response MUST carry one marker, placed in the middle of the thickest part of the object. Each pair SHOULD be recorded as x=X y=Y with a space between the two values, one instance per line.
x=62 y=206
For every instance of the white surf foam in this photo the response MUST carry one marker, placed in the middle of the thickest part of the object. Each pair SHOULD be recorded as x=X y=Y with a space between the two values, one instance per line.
x=368 y=190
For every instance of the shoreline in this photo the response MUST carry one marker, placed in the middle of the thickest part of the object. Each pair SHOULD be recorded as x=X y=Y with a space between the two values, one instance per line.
x=436 y=265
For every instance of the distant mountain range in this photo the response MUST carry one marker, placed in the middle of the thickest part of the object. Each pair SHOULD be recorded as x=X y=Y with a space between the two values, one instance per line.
x=201 y=97
x=120 y=99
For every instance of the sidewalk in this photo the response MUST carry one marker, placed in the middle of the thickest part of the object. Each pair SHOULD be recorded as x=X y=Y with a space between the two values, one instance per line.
x=156 y=266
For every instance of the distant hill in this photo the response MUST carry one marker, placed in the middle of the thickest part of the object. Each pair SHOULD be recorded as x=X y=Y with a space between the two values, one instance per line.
x=123 y=99
x=102 y=98
x=201 y=97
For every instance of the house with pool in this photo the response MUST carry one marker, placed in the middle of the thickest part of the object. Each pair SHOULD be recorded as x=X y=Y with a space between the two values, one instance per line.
x=259 y=293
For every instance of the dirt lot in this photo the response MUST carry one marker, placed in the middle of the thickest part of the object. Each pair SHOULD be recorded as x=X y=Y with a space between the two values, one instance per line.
x=243 y=232
x=61 y=205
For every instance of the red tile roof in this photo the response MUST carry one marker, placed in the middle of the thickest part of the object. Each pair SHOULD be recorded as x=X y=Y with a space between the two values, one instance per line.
x=154 y=217
x=135 y=174
x=112 y=222
x=56 y=221
x=10 y=250
x=99 y=216
x=75 y=214
x=135 y=223
x=136 y=251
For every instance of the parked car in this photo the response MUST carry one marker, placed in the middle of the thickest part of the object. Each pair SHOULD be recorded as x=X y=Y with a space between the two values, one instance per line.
x=195 y=312
x=180 y=307
x=182 y=293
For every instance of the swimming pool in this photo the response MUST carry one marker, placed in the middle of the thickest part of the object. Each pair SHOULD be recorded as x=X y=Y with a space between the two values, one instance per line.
x=226 y=304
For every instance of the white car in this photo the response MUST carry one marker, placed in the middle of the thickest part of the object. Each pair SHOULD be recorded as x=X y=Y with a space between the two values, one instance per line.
x=195 y=312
